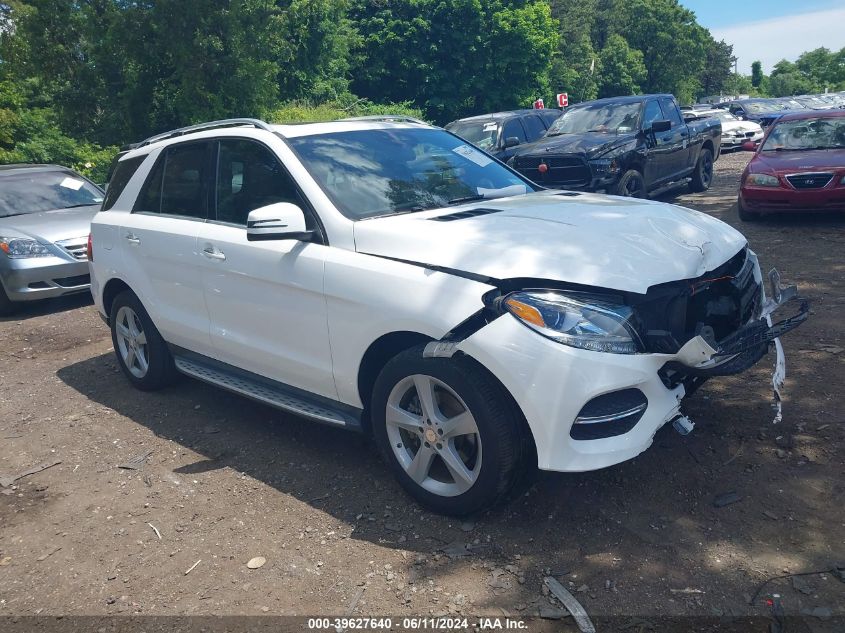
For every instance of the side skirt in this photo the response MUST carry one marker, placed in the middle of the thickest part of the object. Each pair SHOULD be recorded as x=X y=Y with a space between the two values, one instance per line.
x=276 y=394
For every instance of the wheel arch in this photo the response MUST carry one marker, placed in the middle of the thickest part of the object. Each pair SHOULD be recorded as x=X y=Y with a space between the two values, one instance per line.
x=378 y=353
x=113 y=287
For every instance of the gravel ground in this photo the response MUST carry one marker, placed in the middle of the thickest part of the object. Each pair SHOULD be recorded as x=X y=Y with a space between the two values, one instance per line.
x=228 y=480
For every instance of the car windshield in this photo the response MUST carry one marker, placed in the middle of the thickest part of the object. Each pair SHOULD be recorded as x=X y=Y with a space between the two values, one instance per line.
x=614 y=118
x=369 y=173
x=806 y=134
x=29 y=191
x=759 y=107
x=483 y=134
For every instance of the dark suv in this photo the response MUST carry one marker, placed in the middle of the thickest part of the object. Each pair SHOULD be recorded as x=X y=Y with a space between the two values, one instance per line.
x=500 y=132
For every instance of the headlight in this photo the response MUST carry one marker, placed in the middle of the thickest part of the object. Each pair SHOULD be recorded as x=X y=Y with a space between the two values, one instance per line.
x=21 y=247
x=762 y=180
x=582 y=322
x=603 y=166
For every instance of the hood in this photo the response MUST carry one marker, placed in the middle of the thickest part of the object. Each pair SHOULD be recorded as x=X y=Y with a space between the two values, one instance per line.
x=51 y=226
x=590 y=144
x=603 y=241
x=798 y=161
x=741 y=126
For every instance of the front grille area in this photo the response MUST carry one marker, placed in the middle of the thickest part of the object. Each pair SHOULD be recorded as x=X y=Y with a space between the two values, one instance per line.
x=809 y=181
x=77 y=247
x=564 y=171
x=609 y=415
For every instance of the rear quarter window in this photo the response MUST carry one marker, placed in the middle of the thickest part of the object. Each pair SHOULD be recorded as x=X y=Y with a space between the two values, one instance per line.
x=123 y=172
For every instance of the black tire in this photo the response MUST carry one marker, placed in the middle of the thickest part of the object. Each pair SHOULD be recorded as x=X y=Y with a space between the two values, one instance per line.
x=7 y=306
x=702 y=175
x=161 y=371
x=630 y=185
x=506 y=456
x=744 y=214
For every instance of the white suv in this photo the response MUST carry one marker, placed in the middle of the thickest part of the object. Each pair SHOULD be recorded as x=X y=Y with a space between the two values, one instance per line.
x=382 y=275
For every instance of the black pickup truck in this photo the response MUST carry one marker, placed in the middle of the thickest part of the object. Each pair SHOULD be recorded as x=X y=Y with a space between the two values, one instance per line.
x=628 y=146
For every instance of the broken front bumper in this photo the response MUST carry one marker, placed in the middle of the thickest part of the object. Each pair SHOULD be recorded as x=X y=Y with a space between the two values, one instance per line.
x=572 y=397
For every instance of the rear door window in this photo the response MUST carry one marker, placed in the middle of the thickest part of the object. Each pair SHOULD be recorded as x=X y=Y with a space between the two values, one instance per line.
x=178 y=184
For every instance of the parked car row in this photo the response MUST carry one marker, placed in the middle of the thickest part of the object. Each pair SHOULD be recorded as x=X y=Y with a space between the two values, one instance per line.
x=765 y=111
x=627 y=146
x=735 y=131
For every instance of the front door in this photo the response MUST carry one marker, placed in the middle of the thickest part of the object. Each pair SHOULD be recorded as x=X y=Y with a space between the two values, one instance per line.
x=265 y=299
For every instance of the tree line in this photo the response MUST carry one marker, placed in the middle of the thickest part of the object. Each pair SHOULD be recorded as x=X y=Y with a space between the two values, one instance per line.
x=813 y=72
x=78 y=77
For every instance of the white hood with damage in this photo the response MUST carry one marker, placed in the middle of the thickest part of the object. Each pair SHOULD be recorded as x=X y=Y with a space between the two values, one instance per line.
x=604 y=241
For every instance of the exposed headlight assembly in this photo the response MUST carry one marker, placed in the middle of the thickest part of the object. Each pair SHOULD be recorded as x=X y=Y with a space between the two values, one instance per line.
x=22 y=247
x=578 y=322
x=605 y=165
x=762 y=180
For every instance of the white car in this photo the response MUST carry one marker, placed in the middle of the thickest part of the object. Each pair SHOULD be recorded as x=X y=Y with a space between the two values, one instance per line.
x=384 y=276
x=735 y=131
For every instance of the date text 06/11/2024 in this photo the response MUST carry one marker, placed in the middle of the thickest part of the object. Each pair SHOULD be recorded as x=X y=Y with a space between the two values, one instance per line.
x=416 y=623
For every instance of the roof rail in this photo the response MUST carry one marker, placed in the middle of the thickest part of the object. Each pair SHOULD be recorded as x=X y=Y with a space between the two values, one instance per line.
x=393 y=118
x=211 y=125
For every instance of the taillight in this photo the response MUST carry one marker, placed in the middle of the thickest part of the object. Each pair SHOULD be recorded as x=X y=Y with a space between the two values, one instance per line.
x=90 y=250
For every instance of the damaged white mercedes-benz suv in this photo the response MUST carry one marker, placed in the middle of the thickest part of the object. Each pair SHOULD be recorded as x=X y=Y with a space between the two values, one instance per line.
x=382 y=275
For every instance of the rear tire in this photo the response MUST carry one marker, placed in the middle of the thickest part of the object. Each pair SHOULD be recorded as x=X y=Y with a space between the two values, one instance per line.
x=7 y=306
x=744 y=214
x=141 y=351
x=702 y=175
x=458 y=449
x=630 y=185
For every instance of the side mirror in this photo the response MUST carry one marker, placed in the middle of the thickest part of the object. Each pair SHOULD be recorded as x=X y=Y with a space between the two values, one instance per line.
x=279 y=221
x=661 y=126
x=749 y=146
x=511 y=141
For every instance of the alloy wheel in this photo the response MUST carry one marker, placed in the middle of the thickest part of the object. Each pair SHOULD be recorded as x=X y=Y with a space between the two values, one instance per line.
x=132 y=342
x=433 y=435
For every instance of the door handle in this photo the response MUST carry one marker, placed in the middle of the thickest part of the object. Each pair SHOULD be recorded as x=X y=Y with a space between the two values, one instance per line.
x=133 y=239
x=212 y=253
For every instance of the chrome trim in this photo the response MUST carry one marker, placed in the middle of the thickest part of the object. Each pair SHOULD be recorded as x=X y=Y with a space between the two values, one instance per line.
x=613 y=416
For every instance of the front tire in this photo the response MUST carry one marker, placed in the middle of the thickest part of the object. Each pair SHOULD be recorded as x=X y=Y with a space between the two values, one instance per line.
x=702 y=175
x=7 y=306
x=744 y=214
x=630 y=185
x=448 y=431
x=141 y=351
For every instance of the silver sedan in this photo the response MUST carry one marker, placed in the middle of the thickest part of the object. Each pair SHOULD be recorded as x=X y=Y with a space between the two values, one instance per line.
x=45 y=218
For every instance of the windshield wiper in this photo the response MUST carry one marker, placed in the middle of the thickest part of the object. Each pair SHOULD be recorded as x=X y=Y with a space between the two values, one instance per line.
x=83 y=204
x=473 y=198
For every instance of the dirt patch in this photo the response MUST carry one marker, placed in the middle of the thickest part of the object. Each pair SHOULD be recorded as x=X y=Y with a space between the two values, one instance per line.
x=229 y=480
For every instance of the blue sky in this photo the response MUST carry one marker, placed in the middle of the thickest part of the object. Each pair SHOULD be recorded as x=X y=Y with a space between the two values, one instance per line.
x=771 y=30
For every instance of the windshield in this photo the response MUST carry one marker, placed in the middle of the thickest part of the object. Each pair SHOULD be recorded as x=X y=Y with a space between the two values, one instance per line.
x=598 y=117
x=758 y=107
x=483 y=134
x=30 y=191
x=370 y=173
x=806 y=134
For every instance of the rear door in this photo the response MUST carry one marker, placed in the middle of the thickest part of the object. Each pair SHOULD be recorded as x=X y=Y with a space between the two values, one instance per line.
x=158 y=242
x=265 y=299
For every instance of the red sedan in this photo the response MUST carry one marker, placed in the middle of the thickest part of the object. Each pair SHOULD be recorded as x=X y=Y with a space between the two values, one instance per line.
x=799 y=166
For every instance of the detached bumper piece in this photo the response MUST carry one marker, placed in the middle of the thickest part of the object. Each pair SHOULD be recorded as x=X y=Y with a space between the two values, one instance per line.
x=609 y=414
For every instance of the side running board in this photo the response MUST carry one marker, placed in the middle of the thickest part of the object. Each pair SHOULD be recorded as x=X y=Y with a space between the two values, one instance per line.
x=289 y=399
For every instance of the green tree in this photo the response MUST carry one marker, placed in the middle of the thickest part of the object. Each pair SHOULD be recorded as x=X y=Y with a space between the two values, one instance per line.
x=718 y=60
x=622 y=68
x=757 y=74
